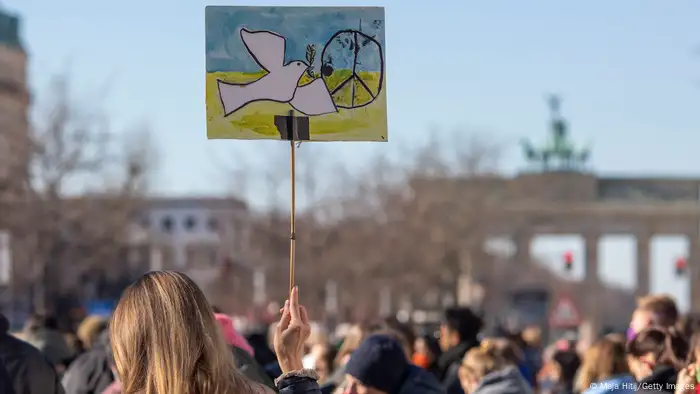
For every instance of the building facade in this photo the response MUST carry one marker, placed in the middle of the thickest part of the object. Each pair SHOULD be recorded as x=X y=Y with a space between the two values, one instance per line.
x=203 y=237
x=206 y=238
x=558 y=195
x=14 y=106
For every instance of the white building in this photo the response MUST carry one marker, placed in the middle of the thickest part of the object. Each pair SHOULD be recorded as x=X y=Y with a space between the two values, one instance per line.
x=196 y=235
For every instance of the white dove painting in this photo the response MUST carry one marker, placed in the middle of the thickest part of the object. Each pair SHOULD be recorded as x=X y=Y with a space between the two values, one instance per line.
x=280 y=84
x=324 y=63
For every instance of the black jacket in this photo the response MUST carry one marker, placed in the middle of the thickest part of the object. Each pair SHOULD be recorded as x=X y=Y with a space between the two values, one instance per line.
x=420 y=381
x=449 y=363
x=28 y=368
x=298 y=385
x=5 y=381
x=661 y=380
x=247 y=365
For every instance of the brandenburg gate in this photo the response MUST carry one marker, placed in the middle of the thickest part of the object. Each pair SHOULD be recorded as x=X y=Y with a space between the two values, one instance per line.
x=557 y=196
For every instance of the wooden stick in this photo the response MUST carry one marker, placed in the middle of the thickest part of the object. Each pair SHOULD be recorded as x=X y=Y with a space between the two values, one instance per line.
x=292 y=212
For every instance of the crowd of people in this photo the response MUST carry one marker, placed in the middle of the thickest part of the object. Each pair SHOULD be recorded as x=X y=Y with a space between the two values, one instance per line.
x=165 y=338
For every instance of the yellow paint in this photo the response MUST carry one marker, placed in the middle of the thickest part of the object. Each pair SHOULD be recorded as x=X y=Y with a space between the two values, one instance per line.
x=256 y=120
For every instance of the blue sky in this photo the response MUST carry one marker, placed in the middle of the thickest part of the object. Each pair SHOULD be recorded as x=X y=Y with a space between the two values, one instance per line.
x=628 y=71
x=300 y=26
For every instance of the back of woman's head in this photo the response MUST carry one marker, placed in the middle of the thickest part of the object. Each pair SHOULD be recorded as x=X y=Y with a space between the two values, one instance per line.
x=508 y=349
x=603 y=360
x=89 y=329
x=665 y=346
x=490 y=357
x=165 y=340
x=516 y=338
x=566 y=363
x=355 y=335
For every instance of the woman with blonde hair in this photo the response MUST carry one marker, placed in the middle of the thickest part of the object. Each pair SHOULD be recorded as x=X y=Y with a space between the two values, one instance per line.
x=354 y=337
x=604 y=369
x=166 y=340
x=89 y=330
x=490 y=368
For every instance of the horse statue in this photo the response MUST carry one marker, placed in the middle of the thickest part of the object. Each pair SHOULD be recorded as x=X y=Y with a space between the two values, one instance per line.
x=531 y=154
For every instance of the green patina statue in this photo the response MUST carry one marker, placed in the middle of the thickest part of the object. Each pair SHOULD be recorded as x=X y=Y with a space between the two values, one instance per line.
x=559 y=153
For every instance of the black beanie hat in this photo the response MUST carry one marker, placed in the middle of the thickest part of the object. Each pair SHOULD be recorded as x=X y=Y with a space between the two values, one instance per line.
x=379 y=363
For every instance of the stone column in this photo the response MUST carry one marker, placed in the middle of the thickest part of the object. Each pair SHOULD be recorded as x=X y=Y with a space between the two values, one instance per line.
x=591 y=271
x=593 y=312
x=694 y=270
x=643 y=264
x=522 y=241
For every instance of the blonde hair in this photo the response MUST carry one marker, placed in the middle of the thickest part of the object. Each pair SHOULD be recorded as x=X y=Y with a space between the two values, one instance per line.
x=317 y=336
x=166 y=341
x=493 y=355
x=89 y=329
x=355 y=335
x=605 y=359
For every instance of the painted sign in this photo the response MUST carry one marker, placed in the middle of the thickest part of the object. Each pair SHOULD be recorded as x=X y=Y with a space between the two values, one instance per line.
x=326 y=64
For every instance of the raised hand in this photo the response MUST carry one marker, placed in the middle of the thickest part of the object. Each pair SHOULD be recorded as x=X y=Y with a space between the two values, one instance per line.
x=291 y=333
x=685 y=384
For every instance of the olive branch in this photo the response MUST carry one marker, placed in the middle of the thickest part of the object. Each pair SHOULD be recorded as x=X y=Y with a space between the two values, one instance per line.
x=310 y=57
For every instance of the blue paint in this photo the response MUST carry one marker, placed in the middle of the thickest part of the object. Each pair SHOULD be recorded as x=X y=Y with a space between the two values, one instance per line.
x=299 y=25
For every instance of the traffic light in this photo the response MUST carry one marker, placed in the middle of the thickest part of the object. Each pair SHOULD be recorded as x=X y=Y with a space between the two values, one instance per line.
x=568 y=260
x=681 y=265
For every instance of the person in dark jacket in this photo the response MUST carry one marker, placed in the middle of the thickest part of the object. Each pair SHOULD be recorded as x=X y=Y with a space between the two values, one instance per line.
x=273 y=370
x=654 y=357
x=380 y=364
x=458 y=334
x=91 y=372
x=42 y=332
x=426 y=354
x=243 y=353
x=30 y=371
x=565 y=365
x=259 y=341
x=247 y=365
x=5 y=381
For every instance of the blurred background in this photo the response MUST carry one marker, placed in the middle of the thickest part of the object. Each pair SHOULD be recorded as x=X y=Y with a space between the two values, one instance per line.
x=542 y=167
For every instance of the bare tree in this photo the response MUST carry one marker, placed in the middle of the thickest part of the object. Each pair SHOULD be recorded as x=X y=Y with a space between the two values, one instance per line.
x=407 y=225
x=82 y=193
